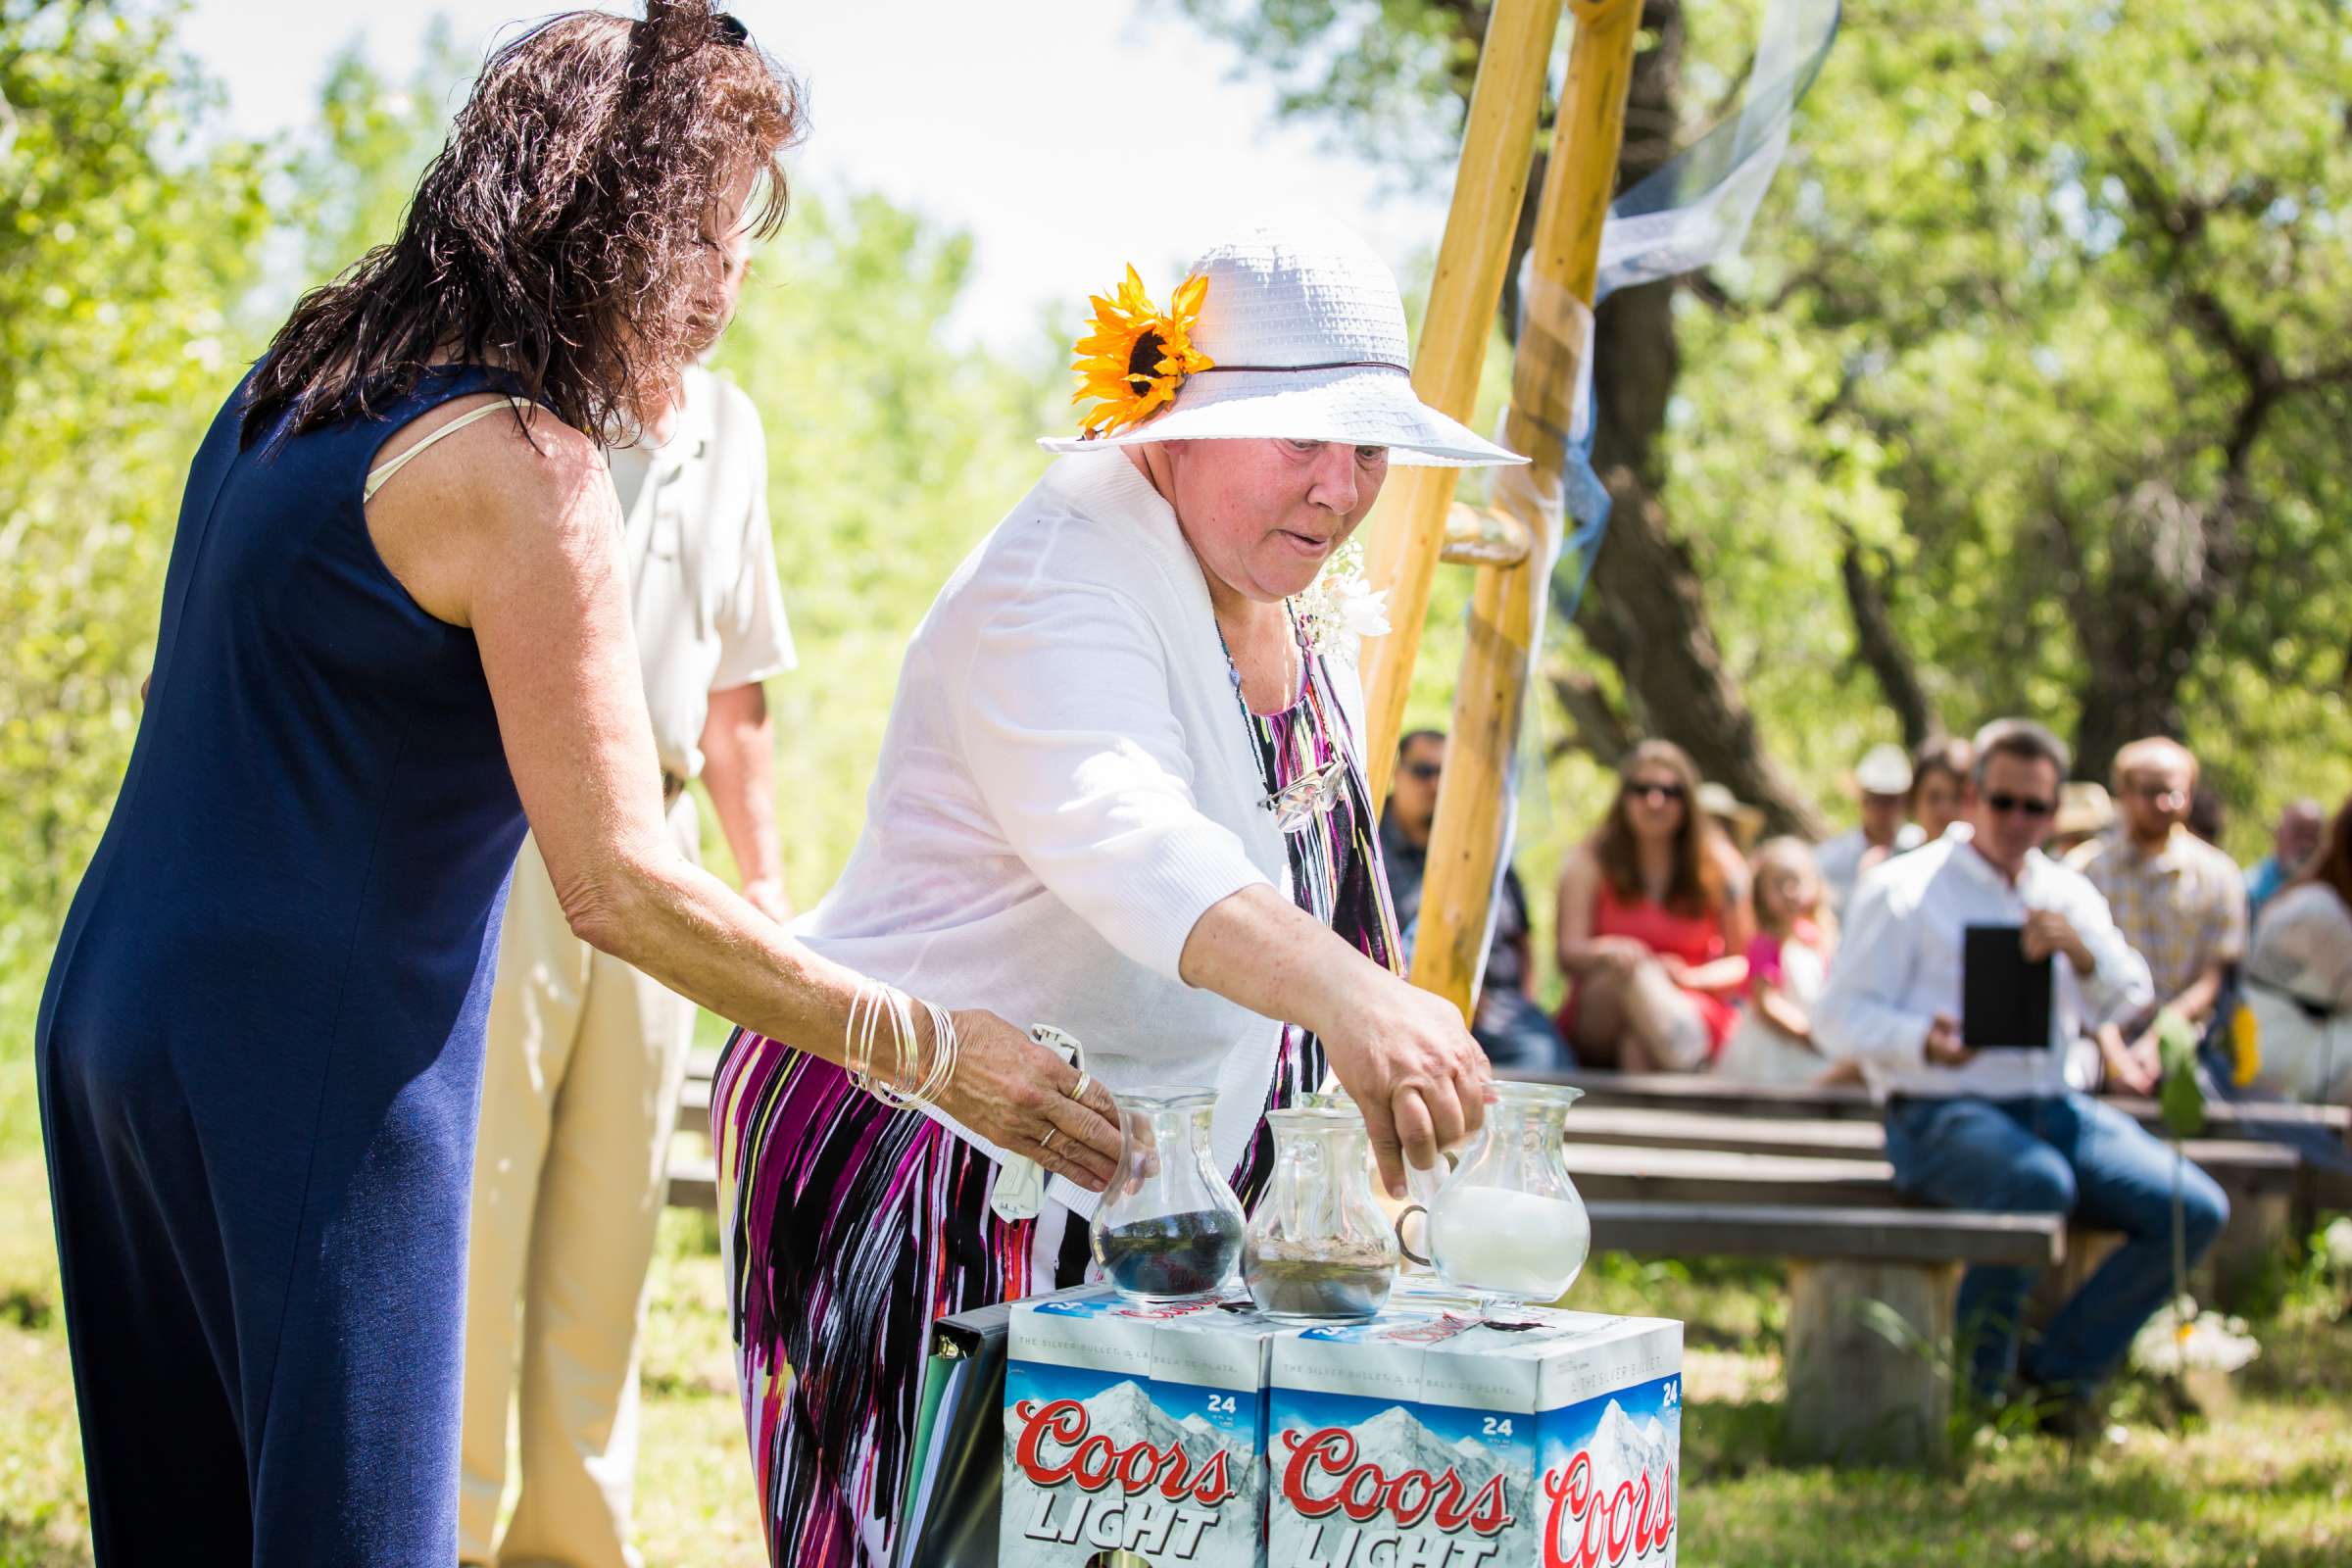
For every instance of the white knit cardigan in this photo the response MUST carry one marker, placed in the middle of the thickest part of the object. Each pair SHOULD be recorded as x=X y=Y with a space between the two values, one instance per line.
x=1065 y=787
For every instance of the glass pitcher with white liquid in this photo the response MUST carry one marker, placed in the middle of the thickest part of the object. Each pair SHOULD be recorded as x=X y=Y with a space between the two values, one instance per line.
x=1508 y=1224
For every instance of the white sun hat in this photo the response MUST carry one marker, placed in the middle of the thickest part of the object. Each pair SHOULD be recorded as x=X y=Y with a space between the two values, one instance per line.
x=1306 y=335
x=1885 y=769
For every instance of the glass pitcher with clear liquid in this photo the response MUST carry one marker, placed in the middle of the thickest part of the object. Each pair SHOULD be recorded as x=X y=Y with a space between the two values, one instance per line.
x=1319 y=1249
x=1169 y=1228
x=1508 y=1224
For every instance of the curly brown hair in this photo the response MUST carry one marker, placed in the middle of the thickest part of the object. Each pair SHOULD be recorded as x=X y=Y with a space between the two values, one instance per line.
x=1698 y=887
x=554 y=234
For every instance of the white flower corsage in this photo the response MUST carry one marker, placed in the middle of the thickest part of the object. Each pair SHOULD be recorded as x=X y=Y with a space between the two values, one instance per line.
x=1339 y=609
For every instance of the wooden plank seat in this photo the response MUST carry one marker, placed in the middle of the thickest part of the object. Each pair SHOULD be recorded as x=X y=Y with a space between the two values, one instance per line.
x=1665 y=1109
x=1660 y=1230
x=694 y=1107
x=1732 y=1175
x=1705 y=1093
x=693 y=1182
x=2261 y=1178
x=1872 y=1294
x=2326 y=1181
x=1638 y=1153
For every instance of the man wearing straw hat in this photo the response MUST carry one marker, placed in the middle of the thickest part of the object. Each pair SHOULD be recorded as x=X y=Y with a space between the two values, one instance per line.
x=1882 y=779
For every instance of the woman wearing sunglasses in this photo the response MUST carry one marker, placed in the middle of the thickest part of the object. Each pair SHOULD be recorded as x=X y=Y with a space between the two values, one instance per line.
x=1121 y=793
x=1653 y=925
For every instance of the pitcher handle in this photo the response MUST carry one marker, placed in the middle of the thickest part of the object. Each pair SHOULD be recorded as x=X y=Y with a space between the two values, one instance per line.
x=1405 y=1246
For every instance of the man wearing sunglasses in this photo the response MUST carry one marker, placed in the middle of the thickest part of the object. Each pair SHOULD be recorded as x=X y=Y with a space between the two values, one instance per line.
x=2003 y=1124
x=1512 y=1027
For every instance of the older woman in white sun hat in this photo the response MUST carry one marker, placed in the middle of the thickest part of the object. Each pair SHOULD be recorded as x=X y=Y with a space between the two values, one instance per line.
x=1121 y=793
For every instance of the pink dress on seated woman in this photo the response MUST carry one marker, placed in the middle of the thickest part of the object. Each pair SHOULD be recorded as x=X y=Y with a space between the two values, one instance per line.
x=1696 y=939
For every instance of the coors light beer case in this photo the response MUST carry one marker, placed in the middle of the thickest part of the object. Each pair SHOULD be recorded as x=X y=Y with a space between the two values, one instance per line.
x=1447 y=1442
x=1427 y=1438
x=1138 y=1429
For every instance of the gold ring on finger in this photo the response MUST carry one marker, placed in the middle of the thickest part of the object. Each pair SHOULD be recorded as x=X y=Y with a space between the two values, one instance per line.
x=1086 y=1081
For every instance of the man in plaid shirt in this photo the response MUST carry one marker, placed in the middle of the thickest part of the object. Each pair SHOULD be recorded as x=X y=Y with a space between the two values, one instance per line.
x=2178 y=900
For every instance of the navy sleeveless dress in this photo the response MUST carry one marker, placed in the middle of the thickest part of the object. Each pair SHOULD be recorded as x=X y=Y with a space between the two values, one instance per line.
x=259 y=1048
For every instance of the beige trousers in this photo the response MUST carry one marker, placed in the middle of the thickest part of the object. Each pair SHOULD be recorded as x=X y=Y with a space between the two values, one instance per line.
x=579 y=1095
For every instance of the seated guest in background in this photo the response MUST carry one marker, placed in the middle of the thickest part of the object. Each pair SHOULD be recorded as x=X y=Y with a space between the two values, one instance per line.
x=2208 y=813
x=1507 y=1021
x=1739 y=822
x=2085 y=811
x=1788 y=965
x=1939 y=786
x=1737 y=825
x=2179 y=902
x=1882 y=780
x=2007 y=1128
x=2292 y=843
x=2299 y=977
x=1651 y=937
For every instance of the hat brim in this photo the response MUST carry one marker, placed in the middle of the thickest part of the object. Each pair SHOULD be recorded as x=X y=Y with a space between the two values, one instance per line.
x=1352 y=406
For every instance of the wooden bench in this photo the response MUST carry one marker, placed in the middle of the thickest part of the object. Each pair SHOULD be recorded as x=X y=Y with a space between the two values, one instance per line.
x=1872 y=1276
x=1729 y=1163
x=2260 y=1179
x=1705 y=1093
x=1872 y=1295
x=2324 y=1183
x=694 y=1106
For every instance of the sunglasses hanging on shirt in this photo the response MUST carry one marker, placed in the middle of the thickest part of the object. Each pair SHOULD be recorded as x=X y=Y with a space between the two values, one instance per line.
x=1297 y=803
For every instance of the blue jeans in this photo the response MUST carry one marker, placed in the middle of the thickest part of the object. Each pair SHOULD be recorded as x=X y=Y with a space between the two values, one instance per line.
x=2068 y=1156
x=1518 y=1036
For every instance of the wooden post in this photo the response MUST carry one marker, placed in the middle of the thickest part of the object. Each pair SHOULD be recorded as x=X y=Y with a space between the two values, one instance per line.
x=1856 y=1396
x=1506 y=605
x=1489 y=187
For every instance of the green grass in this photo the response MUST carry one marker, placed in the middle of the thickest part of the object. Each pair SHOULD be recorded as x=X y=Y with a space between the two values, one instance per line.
x=2268 y=1482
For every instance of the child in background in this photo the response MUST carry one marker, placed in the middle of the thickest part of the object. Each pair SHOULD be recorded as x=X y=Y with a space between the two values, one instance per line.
x=1788 y=965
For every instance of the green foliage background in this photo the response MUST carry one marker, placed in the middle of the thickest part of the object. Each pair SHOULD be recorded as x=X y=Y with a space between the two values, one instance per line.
x=1967 y=335
x=2000 y=321
x=124 y=247
x=145 y=259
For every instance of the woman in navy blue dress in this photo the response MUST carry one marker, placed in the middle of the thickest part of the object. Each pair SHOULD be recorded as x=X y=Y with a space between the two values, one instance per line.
x=259 y=1048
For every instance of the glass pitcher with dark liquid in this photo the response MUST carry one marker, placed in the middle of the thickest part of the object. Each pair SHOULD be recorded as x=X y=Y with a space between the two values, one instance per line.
x=1169 y=1228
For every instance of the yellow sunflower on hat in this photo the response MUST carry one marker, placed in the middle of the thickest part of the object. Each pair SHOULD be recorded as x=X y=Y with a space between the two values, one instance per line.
x=1135 y=354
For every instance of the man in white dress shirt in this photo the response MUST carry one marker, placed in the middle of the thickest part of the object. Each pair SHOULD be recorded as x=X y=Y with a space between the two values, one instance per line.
x=2008 y=1128
x=585 y=1053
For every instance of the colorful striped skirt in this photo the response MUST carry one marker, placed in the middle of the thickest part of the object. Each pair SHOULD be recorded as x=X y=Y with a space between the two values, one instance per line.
x=849 y=1228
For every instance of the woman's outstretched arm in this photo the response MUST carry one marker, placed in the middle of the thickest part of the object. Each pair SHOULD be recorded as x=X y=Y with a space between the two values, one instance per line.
x=518 y=539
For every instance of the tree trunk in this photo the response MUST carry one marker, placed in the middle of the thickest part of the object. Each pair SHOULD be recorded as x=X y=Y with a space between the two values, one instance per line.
x=2140 y=623
x=1647 y=615
x=1646 y=611
x=1882 y=648
x=1601 y=731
